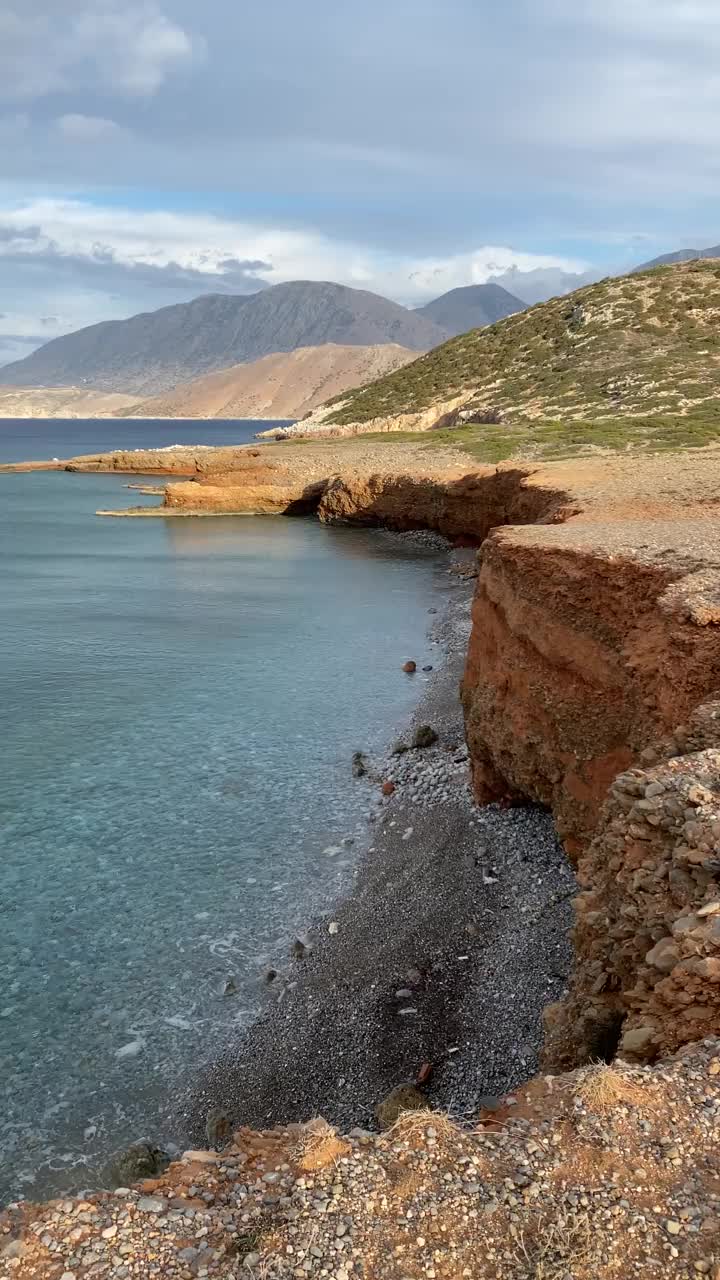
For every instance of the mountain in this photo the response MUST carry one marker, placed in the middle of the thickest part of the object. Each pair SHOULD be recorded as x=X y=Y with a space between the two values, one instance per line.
x=157 y=350
x=680 y=255
x=61 y=402
x=282 y=385
x=471 y=307
x=634 y=345
x=542 y=283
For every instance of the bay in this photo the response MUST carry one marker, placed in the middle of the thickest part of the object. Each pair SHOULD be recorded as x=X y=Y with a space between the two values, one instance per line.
x=179 y=704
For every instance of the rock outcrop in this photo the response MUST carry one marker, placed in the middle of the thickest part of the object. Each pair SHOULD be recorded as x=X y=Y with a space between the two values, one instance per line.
x=647 y=933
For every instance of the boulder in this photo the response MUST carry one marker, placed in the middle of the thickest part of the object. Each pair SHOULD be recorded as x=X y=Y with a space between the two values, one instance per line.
x=138 y=1161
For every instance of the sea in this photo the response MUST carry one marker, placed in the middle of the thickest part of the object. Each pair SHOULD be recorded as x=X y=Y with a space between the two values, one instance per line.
x=180 y=701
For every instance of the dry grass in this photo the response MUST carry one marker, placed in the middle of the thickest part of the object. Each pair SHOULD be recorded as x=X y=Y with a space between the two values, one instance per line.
x=565 y=1246
x=413 y=1124
x=602 y=1088
x=318 y=1146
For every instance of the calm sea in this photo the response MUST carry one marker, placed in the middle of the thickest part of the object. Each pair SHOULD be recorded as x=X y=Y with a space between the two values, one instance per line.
x=179 y=704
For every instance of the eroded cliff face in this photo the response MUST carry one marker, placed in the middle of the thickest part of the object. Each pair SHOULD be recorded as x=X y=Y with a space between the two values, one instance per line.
x=593 y=661
x=463 y=507
x=647 y=933
x=583 y=652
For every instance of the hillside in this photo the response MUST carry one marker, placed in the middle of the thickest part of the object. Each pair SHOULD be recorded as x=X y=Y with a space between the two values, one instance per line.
x=282 y=385
x=620 y=349
x=471 y=307
x=157 y=350
x=60 y=402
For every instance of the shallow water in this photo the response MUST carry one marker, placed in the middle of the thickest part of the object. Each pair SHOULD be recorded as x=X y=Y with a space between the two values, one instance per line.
x=179 y=703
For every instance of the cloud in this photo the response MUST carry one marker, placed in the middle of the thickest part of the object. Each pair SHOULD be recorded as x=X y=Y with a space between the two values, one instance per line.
x=80 y=128
x=211 y=253
x=390 y=146
x=49 y=48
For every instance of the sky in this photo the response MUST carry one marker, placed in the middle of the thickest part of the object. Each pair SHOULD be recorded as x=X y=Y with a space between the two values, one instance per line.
x=154 y=150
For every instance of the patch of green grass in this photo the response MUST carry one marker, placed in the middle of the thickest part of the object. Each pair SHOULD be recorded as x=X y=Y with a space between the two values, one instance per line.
x=552 y=438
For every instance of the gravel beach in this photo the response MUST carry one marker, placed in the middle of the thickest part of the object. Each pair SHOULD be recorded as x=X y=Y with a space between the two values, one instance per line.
x=437 y=966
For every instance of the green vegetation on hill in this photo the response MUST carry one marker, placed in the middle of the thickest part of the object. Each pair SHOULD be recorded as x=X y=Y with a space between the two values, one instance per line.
x=642 y=345
x=544 y=438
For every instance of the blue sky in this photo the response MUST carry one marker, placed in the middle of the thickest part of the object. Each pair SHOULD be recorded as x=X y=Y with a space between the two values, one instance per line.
x=153 y=150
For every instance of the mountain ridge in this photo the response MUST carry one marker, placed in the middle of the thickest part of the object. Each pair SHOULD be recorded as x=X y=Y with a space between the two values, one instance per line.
x=155 y=351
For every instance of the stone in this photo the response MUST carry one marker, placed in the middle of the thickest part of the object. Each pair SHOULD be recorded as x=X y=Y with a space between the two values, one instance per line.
x=13 y=1249
x=428 y=668
x=409 y=667
x=672 y=1227
x=424 y=736
x=359 y=767
x=388 y=788
x=404 y=1097
x=139 y=1160
x=333 y=927
x=638 y=1041
x=664 y=955
x=151 y=1204
x=489 y=1103
x=218 y=1129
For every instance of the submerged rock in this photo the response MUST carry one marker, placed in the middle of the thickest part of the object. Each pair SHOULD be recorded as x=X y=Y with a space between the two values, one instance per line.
x=359 y=767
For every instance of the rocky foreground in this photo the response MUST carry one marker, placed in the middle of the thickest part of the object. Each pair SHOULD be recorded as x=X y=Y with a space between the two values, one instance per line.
x=608 y=1171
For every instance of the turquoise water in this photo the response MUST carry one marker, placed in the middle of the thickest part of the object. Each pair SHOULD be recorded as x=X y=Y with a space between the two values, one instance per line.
x=180 y=700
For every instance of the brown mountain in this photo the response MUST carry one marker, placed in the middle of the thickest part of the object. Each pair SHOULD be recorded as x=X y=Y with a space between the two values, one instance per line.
x=158 y=350
x=282 y=385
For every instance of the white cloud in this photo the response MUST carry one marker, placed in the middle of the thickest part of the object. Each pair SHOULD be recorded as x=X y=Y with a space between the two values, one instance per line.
x=205 y=243
x=80 y=128
x=129 y=48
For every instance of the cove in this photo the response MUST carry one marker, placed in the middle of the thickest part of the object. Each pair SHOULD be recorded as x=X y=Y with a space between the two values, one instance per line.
x=180 y=703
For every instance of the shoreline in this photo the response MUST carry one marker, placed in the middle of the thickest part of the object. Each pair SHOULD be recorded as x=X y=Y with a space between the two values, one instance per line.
x=453 y=938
